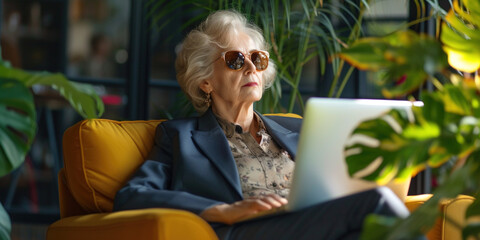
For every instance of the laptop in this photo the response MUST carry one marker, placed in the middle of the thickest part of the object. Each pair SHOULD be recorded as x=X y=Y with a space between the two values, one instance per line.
x=320 y=172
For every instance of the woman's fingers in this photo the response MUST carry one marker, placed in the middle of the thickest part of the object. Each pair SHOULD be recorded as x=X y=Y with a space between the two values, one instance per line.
x=271 y=201
x=279 y=199
x=255 y=204
x=229 y=213
x=268 y=201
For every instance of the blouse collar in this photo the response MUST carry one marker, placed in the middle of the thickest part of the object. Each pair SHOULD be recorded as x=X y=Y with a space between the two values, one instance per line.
x=230 y=128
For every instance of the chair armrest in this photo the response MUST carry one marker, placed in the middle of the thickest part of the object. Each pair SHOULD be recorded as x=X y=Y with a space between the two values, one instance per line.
x=149 y=224
x=453 y=209
x=414 y=201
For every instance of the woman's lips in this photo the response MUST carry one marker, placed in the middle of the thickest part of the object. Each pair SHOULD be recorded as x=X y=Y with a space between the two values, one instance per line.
x=250 y=84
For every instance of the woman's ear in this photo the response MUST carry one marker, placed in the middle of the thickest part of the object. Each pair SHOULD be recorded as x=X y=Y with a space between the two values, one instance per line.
x=206 y=86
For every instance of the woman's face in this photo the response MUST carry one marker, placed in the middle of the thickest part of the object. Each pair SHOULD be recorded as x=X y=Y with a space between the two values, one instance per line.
x=235 y=87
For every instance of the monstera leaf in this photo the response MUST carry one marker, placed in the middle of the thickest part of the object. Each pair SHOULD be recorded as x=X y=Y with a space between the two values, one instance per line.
x=5 y=224
x=404 y=59
x=408 y=142
x=17 y=109
x=17 y=123
x=461 y=35
x=402 y=148
x=17 y=129
x=18 y=118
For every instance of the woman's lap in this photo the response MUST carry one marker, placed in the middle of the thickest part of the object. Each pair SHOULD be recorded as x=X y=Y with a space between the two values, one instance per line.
x=330 y=220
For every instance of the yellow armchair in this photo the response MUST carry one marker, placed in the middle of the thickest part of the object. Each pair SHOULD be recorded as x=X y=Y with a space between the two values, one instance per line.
x=100 y=156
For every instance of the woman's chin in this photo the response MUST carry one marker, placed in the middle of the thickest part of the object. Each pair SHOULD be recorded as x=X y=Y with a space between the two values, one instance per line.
x=254 y=93
x=254 y=98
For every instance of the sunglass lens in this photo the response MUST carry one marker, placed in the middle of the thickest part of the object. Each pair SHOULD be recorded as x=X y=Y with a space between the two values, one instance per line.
x=260 y=60
x=234 y=60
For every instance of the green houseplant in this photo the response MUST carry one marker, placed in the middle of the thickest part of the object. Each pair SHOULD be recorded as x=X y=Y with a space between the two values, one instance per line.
x=298 y=31
x=444 y=134
x=18 y=116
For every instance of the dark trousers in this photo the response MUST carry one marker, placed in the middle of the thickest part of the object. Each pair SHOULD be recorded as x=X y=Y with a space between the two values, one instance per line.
x=337 y=219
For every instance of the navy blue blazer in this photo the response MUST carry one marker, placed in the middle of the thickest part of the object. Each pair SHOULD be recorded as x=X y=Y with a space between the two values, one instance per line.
x=191 y=166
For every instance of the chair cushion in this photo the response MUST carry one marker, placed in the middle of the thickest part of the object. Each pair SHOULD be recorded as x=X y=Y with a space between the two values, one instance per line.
x=100 y=155
x=144 y=224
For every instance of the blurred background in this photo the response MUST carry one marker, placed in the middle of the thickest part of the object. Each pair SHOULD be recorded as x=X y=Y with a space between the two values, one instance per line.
x=110 y=44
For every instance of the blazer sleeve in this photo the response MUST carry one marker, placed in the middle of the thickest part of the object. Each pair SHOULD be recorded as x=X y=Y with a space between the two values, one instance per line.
x=150 y=186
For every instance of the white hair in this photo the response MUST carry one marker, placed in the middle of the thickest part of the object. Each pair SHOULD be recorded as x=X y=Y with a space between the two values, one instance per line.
x=201 y=47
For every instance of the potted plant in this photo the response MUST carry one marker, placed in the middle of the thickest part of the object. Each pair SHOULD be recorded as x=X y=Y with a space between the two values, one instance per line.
x=18 y=116
x=444 y=134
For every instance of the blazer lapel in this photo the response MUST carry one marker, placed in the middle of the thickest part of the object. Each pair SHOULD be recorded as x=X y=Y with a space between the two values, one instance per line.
x=213 y=143
x=287 y=139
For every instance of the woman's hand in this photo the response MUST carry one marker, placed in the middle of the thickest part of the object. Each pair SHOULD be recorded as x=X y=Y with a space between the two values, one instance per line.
x=230 y=213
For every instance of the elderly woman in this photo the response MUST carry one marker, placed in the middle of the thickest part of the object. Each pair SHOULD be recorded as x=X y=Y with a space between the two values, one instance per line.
x=232 y=162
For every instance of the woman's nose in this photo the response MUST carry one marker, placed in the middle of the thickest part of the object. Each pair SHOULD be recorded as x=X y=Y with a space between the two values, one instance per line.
x=249 y=66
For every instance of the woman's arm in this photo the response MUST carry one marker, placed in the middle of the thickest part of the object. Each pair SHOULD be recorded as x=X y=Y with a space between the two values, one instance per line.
x=146 y=190
x=150 y=186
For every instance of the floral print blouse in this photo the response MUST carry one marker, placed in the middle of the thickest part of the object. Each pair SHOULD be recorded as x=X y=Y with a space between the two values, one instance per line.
x=263 y=168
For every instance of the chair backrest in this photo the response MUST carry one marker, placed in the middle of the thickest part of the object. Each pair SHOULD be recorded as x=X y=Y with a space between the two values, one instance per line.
x=100 y=155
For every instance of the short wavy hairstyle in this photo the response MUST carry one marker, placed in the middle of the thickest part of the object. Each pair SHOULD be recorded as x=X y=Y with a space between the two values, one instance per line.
x=201 y=47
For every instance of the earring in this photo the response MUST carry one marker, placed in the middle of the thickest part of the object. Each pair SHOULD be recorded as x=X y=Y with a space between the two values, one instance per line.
x=208 y=100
